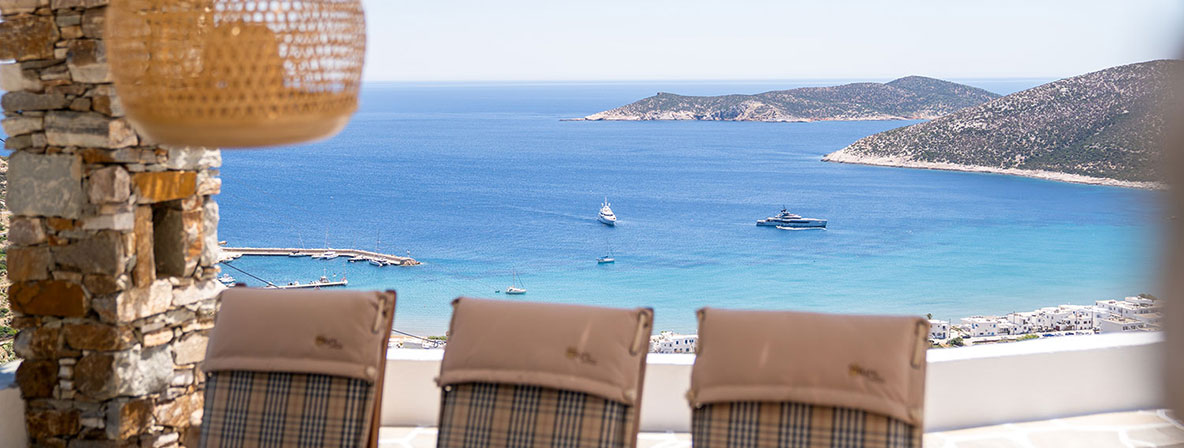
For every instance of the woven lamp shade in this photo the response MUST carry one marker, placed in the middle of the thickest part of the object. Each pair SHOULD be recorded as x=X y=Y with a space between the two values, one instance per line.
x=235 y=73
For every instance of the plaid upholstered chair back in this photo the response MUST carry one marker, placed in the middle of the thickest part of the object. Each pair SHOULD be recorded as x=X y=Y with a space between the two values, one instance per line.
x=296 y=368
x=520 y=374
x=787 y=379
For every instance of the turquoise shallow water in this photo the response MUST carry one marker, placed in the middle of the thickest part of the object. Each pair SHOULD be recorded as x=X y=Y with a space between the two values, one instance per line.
x=481 y=180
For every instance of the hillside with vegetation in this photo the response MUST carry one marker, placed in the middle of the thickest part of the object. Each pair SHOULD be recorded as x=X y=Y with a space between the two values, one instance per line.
x=7 y=333
x=1102 y=127
x=913 y=97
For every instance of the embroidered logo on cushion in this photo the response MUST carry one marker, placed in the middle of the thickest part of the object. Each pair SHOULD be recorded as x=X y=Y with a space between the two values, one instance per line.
x=328 y=342
x=868 y=374
x=577 y=355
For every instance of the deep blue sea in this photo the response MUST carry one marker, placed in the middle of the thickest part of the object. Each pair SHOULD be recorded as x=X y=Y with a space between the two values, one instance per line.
x=482 y=180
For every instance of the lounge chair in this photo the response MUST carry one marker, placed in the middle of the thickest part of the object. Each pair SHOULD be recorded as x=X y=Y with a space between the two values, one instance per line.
x=296 y=368
x=789 y=379
x=520 y=374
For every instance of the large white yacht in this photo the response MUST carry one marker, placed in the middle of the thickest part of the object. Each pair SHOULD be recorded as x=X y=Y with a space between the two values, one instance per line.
x=606 y=214
x=787 y=220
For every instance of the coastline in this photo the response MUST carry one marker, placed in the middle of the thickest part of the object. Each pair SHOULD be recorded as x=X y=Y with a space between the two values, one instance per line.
x=752 y=120
x=898 y=162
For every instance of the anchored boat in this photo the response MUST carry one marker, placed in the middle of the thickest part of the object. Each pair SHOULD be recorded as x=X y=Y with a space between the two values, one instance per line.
x=514 y=288
x=606 y=215
x=788 y=221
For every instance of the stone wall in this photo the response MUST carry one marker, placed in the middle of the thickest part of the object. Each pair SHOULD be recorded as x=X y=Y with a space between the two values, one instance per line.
x=113 y=243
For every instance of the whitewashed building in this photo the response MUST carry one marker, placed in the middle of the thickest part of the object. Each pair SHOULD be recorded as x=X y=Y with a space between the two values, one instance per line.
x=981 y=326
x=939 y=330
x=671 y=342
x=1144 y=309
x=1116 y=324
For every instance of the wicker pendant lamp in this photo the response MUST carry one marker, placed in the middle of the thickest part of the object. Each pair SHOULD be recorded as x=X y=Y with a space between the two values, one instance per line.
x=236 y=73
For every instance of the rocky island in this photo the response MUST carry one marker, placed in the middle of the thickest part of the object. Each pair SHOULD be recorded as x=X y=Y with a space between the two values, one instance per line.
x=913 y=97
x=1099 y=128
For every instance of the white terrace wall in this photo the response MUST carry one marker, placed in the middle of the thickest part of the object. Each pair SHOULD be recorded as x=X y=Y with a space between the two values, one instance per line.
x=113 y=243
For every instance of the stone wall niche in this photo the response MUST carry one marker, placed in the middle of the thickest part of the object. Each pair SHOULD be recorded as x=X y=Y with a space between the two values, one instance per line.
x=113 y=243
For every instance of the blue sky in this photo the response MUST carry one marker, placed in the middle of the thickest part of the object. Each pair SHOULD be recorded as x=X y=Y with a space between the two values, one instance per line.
x=562 y=40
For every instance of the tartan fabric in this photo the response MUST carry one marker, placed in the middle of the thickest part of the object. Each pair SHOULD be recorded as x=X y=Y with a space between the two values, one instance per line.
x=280 y=409
x=475 y=415
x=796 y=425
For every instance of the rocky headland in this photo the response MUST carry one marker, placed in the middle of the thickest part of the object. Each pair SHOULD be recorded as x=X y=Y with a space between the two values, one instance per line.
x=913 y=97
x=1098 y=128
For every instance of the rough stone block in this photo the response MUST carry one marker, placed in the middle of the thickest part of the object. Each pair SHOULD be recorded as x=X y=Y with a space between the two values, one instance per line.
x=101 y=253
x=158 y=337
x=46 y=423
x=88 y=129
x=87 y=61
x=23 y=231
x=28 y=101
x=93 y=375
x=20 y=125
x=94 y=19
x=122 y=155
x=67 y=4
x=190 y=349
x=177 y=241
x=129 y=418
x=61 y=224
x=182 y=377
x=39 y=343
x=118 y=221
x=29 y=263
x=19 y=142
x=196 y=292
x=211 y=251
x=105 y=101
x=133 y=372
x=164 y=186
x=142 y=302
x=207 y=184
x=19 y=6
x=48 y=298
x=95 y=336
x=80 y=105
x=13 y=78
x=109 y=185
x=186 y=410
x=144 y=273
x=36 y=378
x=45 y=185
x=193 y=158
x=66 y=19
x=103 y=284
x=27 y=37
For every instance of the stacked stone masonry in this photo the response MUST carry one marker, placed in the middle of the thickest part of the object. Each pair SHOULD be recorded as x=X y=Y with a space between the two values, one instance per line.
x=113 y=243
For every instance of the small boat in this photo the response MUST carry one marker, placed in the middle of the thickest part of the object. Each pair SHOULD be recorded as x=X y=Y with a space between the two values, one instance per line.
x=514 y=288
x=376 y=262
x=326 y=255
x=789 y=221
x=226 y=279
x=606 y=215
x=357 y=259
x=605 y=260
x=297 y=253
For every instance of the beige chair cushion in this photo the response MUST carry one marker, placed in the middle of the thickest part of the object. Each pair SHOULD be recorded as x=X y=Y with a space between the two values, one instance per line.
x=598 y=351
x=870 y=363
x=338 y=333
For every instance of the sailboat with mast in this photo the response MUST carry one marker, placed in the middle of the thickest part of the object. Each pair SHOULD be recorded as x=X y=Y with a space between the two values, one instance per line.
x=517 y=287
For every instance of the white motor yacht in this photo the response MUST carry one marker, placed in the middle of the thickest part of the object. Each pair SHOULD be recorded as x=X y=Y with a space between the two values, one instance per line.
x=606 y=215
x=787 y=220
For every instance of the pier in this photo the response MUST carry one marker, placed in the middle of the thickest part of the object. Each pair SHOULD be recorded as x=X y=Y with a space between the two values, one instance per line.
x=231 y=253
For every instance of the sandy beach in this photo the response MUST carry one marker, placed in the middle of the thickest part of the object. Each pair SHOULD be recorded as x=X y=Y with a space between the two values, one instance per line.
x=842 y=157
